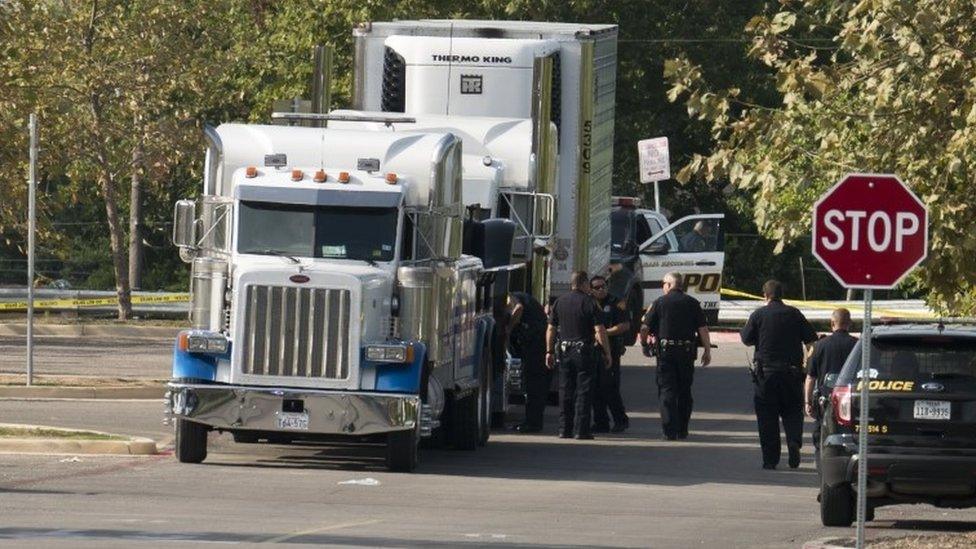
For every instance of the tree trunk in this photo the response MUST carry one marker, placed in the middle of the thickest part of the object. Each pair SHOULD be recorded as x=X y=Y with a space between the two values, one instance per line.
x=116 y=238
x=135 y=221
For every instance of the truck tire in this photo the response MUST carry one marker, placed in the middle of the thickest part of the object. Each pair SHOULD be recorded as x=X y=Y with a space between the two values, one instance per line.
x=191 y=441
x=465 y=423
x=402 y=451
x=836 y=505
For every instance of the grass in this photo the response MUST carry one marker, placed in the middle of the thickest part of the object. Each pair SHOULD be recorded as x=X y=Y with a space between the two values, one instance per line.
x=27 y=432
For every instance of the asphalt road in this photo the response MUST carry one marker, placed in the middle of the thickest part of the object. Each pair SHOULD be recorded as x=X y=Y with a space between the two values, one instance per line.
x=631 y=489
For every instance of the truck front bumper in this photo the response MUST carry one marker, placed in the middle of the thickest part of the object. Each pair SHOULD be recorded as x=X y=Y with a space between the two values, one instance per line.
x=245 y=407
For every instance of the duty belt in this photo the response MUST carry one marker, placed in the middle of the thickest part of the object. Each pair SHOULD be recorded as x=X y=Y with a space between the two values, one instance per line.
x=576 y=344
x=684 y=343
x=779 y=367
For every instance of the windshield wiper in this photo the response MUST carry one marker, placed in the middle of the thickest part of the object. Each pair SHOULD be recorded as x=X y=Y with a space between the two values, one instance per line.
x=280 y=253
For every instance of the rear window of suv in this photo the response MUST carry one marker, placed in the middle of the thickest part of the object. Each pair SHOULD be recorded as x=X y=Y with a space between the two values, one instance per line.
x=915 y=358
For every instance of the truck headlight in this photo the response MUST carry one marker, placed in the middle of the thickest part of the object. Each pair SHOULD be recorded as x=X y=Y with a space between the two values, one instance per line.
x=389 y=353
x=203 y=342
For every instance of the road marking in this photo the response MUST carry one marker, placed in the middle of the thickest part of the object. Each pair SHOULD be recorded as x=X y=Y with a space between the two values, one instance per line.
x=286 y=537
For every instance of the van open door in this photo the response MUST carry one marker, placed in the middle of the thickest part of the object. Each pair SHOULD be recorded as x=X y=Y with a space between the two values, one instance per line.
x=693 y=246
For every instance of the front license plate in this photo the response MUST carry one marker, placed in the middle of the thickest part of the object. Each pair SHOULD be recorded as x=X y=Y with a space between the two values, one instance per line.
x=293 y=421
x=932 y=409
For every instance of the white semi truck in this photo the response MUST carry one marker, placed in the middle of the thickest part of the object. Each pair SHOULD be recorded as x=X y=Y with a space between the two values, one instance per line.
x=346 y=265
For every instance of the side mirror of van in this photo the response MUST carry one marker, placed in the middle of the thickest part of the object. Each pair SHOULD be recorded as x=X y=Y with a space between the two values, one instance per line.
x=658 y=247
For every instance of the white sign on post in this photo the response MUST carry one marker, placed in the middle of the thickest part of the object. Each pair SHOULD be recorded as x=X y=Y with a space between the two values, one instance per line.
x=655 y=160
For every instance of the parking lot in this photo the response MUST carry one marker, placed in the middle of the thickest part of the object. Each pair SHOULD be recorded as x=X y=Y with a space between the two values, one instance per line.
x=631 y=489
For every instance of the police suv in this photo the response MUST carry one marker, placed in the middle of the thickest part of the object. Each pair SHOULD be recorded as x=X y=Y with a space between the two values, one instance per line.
x=922 y=422
x=644 y=247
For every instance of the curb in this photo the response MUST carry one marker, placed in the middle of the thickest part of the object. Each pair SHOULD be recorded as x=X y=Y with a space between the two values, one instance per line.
x=152 y=392
x=135 y=446
x=830 y=543
x=89 y=330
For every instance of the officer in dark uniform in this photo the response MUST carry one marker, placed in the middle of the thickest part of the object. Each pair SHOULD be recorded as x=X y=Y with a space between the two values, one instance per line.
x=575 y=319
x=778 y=331
x=677 y=323
x=607 y=395
x=828 y=357
x=527 y=333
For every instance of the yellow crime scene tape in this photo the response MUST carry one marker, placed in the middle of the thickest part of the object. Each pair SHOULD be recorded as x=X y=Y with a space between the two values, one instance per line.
x=834 y=305
x=92 y=302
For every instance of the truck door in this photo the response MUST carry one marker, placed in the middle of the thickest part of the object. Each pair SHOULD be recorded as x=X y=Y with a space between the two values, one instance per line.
x=693 y=246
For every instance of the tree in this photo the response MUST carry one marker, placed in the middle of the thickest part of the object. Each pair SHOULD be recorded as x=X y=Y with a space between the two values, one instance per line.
x=864 y=86
x=118 y=96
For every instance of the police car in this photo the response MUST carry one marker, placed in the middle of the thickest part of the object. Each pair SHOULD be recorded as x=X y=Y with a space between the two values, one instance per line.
x=922 y=426
x=644 y=247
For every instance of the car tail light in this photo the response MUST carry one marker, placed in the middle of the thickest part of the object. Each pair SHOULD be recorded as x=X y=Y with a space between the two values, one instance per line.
x=840 y=399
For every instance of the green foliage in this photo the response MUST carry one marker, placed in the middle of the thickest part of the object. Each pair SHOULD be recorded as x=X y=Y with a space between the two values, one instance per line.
x=863 y=86
x=110 y=78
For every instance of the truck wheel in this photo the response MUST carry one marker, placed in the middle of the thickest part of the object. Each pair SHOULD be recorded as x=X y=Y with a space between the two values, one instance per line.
x=635 y=304
x=465 y=424
x=484 y=398
x=402 y=452
x=836 y=505
x=245 y=437
x=191 y=441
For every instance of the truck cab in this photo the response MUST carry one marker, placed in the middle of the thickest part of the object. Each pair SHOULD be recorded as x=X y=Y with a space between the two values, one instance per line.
x=645 y=246
x=330 y=292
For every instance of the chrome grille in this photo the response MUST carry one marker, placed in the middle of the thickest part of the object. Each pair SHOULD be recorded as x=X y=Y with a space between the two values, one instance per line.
x=296 y=332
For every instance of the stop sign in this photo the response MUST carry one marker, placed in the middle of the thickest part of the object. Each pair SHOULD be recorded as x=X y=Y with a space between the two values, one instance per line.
x=870 y=230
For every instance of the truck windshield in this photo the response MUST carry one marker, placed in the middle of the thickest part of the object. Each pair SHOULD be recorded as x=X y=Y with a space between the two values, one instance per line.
x=336 y=232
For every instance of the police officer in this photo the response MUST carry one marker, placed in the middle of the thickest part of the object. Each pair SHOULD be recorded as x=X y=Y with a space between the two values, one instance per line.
x=677 y=323
x=828 y=357
x=778 y=331
x=575 y=319
x=607 y=394
x=527 y=332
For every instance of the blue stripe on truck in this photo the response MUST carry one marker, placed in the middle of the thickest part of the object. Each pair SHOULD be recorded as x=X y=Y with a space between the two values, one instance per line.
x=401 y=378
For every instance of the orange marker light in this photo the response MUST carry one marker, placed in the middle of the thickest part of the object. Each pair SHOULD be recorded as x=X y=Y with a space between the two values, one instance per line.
x=391 y=178
x=320 y=176
x=251 y=172
x=343 y=177
x=183 y=341
x=297 y=175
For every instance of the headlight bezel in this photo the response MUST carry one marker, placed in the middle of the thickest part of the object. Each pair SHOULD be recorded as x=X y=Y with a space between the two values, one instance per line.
x=390 y=353
x=203 y=342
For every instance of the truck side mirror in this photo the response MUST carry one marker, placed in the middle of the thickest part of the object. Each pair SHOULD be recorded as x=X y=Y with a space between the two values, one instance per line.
x=184 y=224
x=658 y=247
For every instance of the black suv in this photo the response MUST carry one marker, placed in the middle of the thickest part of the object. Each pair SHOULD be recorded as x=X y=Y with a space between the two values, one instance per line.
x=922 y=426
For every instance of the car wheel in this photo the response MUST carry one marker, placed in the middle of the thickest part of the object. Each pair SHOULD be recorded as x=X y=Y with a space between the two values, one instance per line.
x=191 y=441
x=836 y=505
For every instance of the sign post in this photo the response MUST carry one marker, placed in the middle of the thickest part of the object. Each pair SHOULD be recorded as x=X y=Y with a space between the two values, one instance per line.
x=869 y=231
x=31 y=216
x=655 y=164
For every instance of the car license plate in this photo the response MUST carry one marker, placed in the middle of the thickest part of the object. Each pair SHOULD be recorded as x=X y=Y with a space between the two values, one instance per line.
x=932 y=409
x=293 y=421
